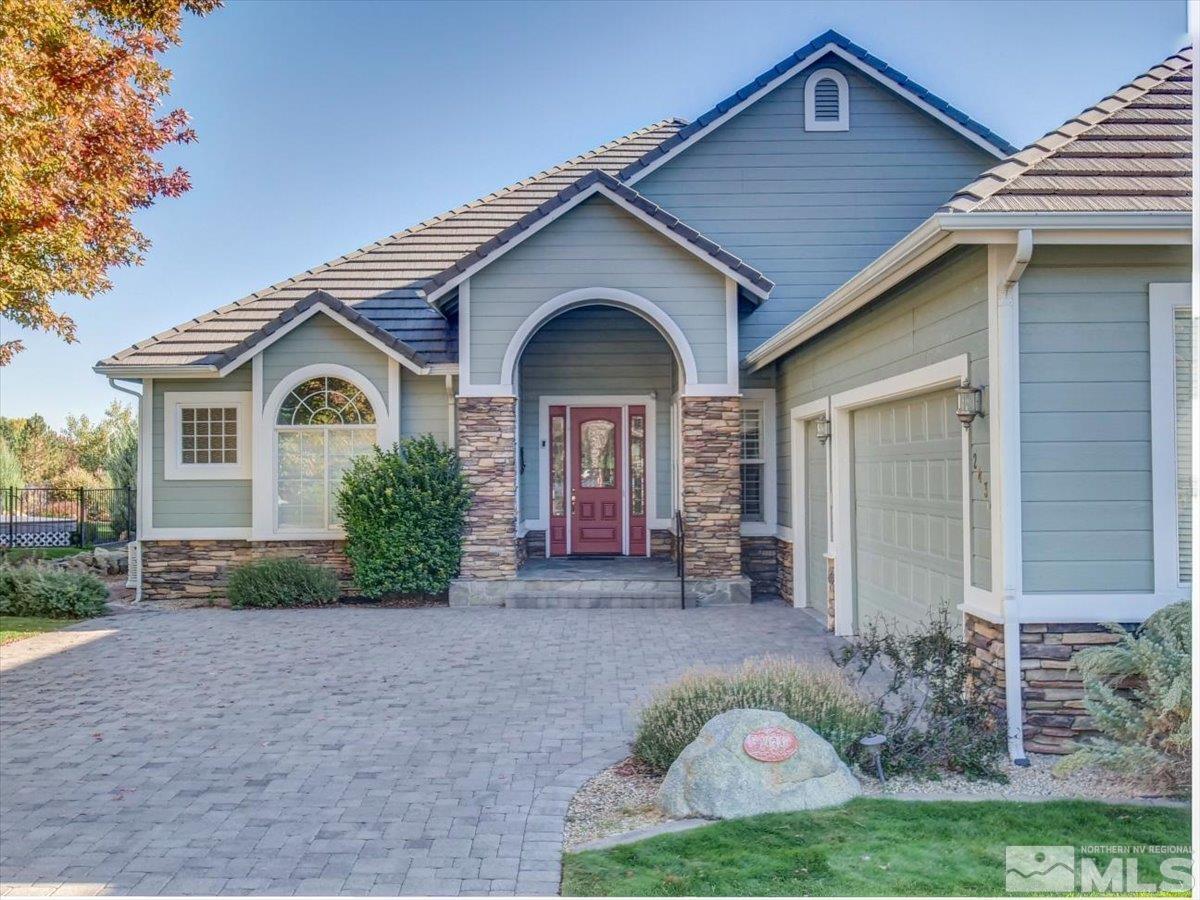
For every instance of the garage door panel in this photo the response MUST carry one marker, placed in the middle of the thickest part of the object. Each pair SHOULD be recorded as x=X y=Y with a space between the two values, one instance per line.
x=908 y=509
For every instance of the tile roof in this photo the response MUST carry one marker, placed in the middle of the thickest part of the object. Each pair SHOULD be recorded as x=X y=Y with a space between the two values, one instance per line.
x=828 y=38
x=1131 y=152
x=385 y=281
x=598 y=178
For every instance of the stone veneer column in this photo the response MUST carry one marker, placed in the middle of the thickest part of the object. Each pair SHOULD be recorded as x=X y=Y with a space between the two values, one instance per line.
x=711 y=486
x=486 y=441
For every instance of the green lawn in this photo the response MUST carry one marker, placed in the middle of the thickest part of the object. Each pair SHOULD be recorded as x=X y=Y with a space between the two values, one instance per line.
x=13 y=628
x=866 y=848
x=21 y=554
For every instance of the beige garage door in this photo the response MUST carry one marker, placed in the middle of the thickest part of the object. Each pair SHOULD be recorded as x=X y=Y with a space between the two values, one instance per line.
x=908 y=509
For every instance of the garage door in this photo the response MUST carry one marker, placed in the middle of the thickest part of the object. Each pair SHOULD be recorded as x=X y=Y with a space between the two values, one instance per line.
x=815 y=518
x=908 y=509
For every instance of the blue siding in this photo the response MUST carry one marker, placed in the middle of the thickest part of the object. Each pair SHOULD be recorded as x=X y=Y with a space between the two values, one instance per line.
x=322 y=340
x=1085 y=415
x=809 y=209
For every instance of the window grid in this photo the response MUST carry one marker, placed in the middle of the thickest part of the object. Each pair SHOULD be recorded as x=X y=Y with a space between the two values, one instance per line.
x=208 y=435
x=753 y=466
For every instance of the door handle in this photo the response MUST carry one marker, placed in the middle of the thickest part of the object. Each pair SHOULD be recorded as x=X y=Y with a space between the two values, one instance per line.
x=572 y=501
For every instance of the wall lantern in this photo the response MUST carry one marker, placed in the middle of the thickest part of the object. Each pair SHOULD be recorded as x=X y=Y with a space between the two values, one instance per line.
x=970 y=404
x=823 y=430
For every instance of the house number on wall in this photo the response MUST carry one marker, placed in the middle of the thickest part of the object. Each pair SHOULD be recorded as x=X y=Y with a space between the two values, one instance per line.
x=773 y=744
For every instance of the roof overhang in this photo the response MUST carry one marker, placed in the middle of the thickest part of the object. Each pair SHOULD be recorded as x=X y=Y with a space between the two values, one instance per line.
x=597 y=183
x=943 y=232
x=116 y=370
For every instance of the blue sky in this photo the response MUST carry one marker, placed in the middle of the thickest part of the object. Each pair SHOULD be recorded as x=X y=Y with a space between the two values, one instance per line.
x=325 y=126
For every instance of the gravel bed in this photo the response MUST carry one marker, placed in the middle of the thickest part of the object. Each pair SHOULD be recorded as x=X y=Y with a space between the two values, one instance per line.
x=622 y=798
x=1037 y=781
x=619 y=799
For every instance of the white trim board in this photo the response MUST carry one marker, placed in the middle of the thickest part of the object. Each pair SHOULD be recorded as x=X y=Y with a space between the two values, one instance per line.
x=588 y=192
x=1165 y=299
x=800 y=66
x=798 y=418
x=937 y=376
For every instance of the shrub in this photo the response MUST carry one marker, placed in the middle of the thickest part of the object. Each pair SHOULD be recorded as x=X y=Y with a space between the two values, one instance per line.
x=1139 y=693
x=273 y=583
x=10 y=468
x=819 y=697
x=933 y=718
x=51 y=593
x=403 y=512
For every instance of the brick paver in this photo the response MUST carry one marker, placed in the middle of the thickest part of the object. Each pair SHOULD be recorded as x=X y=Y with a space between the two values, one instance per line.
x=332 y=751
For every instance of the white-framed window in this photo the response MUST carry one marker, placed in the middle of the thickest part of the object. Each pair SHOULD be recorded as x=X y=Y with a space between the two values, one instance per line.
x=826 y=101
x=206 y=435
x=757 y=461
x=322 y=424
x=1171 y=371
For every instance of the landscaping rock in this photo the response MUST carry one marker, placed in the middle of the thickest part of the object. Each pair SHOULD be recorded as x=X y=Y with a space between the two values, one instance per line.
x=717 y=778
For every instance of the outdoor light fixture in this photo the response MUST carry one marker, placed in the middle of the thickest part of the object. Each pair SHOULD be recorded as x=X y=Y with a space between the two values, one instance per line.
x=823 y=430
x=970 y=404
x=873 y=744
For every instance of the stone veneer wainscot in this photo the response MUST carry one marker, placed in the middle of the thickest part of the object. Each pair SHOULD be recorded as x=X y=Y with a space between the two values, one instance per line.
x=174 y=570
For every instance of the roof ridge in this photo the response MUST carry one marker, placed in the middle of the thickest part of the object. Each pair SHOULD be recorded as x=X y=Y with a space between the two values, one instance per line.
x=990 y=182
x=384 y=241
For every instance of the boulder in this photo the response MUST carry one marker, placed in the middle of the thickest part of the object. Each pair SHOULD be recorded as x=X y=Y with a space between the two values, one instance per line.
x=792 y=768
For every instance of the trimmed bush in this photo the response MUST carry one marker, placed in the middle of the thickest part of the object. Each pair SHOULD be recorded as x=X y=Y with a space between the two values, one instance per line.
x=934 y=719
x=403 y=510
x=51 y=593
x=276 y=583
x=1139 y=693
x=820 y=697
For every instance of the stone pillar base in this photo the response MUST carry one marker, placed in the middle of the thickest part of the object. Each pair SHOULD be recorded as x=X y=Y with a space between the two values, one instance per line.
x=486 y=441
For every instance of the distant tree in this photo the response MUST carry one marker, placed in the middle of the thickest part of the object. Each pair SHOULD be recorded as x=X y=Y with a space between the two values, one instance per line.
x=80 y=87
x=91 y=444
x=122 y=455
x=10 y=467
x=43 y=452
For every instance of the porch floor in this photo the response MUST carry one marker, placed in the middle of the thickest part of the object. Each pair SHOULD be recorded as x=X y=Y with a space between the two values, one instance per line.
x=642 y=568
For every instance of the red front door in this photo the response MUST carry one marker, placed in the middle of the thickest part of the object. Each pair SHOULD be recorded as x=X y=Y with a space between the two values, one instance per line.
x=596 y=480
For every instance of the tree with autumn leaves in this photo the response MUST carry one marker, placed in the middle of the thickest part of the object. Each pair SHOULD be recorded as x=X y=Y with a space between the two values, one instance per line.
x=81 y=88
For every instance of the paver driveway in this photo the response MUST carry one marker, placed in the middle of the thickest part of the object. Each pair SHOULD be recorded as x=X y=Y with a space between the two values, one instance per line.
x=325 y=751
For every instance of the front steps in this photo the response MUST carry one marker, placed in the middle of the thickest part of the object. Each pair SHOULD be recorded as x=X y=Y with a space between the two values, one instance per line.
x=613 y=583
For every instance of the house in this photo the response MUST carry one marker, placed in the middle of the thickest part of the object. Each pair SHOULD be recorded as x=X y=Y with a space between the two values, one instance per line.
x=765 y=325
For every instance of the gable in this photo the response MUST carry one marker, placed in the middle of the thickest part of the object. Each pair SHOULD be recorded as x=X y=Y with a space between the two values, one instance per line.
x=811 y=208
x=597 y=245
x=321 y=339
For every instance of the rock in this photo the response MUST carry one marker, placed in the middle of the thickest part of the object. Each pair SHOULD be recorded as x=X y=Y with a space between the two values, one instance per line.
x=715 y=777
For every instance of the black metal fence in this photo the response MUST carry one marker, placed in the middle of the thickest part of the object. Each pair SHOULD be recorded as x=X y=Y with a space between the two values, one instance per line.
x=71 y=517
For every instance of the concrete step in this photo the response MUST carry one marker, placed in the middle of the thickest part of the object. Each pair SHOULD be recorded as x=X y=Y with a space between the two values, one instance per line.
x=592 y=593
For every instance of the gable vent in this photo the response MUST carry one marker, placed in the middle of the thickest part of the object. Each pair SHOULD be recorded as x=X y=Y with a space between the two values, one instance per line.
x=826 y=101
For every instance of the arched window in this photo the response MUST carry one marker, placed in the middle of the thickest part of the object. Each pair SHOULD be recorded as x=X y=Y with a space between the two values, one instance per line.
x=323 y=423
x=826 y=101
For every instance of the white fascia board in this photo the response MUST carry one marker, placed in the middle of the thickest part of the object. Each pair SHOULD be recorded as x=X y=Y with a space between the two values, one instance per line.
x=800 y=66
x=341 y=320
x=944 y=231
x=588 y=192
x=921 y=246
x=139 y=372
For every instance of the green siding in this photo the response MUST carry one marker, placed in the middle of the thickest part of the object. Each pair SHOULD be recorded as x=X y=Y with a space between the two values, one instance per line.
x=811 y=208
x=196 y=504
x=939 y=314
x=1085 y=415
x=423 y=405
x=596 y=350
x=322 y=340
x=597 y=244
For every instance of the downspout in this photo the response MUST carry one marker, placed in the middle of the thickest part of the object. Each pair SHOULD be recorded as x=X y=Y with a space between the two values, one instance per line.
x=112 y=383
x=1015 y=713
